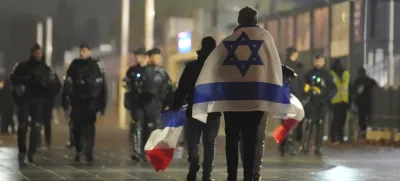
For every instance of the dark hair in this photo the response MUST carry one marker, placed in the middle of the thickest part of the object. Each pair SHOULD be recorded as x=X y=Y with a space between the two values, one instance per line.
x=140 y=51
x=248 y=16
x=208 y=43
x=154 y=51
x=35 y=47
x=290 y=51
x=85 y=45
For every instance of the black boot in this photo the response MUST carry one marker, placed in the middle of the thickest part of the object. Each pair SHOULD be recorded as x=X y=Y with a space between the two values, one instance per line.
x=192 y=175
x=257 y=177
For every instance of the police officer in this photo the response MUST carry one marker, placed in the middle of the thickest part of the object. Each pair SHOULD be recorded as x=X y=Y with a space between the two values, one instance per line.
x=84 y=95
x=145 y=92
x=50 y=94
x=6 y=106
x=154 y=56
x=320 y=89
x=296 y=88
x=194 y=128
x=29 y=80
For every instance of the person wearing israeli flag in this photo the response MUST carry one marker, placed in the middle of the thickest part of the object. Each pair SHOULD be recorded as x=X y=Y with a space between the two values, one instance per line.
x=242 y=78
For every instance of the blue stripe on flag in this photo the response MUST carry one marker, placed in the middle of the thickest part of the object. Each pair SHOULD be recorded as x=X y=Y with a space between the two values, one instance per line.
x=241 y=91
x=173 y=118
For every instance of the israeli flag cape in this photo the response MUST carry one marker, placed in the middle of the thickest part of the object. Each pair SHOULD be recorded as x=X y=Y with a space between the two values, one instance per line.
x=243 y=73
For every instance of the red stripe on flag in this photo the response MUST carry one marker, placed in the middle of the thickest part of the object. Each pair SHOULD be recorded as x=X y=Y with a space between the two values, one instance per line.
x=160 y=158
x=280 y=132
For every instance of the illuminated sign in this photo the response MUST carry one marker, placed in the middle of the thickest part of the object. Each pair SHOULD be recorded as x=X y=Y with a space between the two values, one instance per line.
x=184 y=42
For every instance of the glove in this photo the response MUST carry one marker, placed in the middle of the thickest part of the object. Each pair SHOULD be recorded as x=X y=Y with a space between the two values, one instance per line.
x=316 y=90
x=307 y=88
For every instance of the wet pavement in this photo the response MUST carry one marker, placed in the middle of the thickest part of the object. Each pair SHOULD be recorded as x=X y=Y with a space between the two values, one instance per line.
x=112 y=162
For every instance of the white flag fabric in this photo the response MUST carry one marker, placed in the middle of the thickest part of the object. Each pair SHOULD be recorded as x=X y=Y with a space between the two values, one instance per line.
x=243 y=73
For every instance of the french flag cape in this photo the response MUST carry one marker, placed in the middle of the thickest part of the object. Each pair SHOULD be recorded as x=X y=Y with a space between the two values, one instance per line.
x=161 y=144
x=243 y=73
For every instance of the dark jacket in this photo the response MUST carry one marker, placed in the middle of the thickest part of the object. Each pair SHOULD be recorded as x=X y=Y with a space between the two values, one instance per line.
x=362 y=91
x=325 y=84
x=296 y=85
x=30 y=74
x=73 y=98
x=187 y=83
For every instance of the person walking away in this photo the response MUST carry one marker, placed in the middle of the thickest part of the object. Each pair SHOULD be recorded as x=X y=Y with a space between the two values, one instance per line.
x=320 y=88
x=340 y=102
x=362 y=91
x=194 y=129
x=29 y=80
x=296 y=88
x=236 y=81
x=85 y=93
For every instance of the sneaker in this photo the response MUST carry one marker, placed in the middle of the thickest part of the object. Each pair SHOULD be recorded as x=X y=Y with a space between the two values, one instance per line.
x=77 y=158
x=136 y=158
x=318 y=153
x=89 y=158
x=69 y=145
x=31 y=160
x=208 y=179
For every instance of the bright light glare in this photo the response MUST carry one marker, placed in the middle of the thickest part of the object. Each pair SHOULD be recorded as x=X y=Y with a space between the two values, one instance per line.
x=105 y=48
x=339 y=173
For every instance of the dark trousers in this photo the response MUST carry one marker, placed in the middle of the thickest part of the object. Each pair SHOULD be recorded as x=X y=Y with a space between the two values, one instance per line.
x=245 y=125
x=83 y=128
x=47 y=114
x=194 y=129
x=314 y=118
x=260 y=148
x=145 y=120
x=6 y=120
x=339 y=119
x=364 y=117
x=31 y=109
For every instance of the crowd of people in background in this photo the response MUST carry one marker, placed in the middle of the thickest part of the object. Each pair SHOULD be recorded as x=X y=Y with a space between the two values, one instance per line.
x=34 y=87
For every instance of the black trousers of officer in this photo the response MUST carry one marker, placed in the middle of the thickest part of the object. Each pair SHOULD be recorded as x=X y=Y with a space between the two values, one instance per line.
x=145 y=120
x=25 y=110
x=47 y=115
x=194 y=129
x=245 y=125
x=314 y=118
x=83 y=119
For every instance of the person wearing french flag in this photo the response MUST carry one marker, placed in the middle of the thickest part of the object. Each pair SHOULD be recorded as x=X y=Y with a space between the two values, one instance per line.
x=243 y=79
x=194 y=128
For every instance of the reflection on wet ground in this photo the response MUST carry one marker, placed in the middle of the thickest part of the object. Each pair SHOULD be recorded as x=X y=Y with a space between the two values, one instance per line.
x=112 y=163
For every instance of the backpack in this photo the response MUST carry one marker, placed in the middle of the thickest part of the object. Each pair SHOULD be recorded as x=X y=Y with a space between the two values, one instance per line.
x=89 y=81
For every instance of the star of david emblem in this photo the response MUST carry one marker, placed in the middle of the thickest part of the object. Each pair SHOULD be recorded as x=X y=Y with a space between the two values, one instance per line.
x=243 y=65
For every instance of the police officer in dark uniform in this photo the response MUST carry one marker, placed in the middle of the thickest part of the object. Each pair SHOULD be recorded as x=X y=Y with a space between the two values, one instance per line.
x=6 y=106
x=29 y=80
x=320 y=89
x=50 y=94
x=296 y=88
x=146 y=90
x=85 y=95
x=154 y=56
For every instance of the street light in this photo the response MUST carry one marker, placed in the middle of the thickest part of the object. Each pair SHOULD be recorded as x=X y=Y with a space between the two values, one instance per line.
x=49 y=40
x=124 y=60
x=149 y=24
x=39 y=33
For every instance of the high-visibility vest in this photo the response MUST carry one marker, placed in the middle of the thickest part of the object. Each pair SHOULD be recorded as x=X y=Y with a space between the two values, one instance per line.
x=342 y=85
